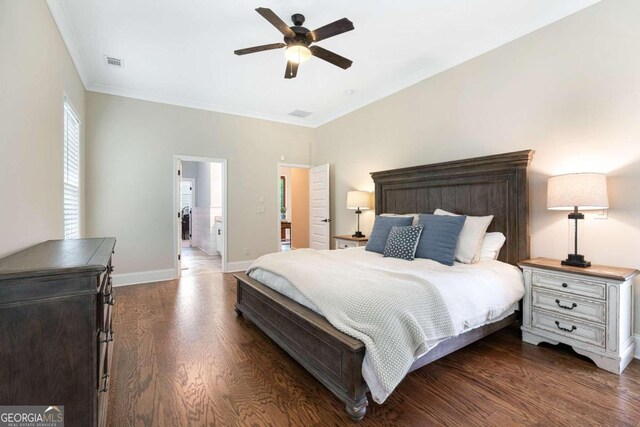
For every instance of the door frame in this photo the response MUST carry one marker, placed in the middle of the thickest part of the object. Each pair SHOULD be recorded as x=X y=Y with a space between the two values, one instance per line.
x=225 y=218
x=284 y=165
x=192 y=231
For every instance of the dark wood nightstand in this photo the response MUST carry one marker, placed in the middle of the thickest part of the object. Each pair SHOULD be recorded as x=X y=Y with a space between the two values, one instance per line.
x=590 y=309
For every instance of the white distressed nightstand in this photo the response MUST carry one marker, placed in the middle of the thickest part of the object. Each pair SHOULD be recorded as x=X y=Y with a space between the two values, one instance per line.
x=590 y=309
x=344 y=242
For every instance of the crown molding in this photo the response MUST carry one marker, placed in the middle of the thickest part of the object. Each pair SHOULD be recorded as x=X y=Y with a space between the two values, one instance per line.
x=316 y=120
x=128 y=93
x=60 y=17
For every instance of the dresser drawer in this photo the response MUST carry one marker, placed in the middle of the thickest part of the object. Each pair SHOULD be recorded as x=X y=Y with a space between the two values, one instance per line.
x=569 y=305
x=569 y=327
x=572 y=285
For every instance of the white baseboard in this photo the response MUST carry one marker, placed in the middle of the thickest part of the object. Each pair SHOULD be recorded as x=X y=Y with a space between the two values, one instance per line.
x=168 y=274
x=233 y=267
x=637 y=352
x=143 y=277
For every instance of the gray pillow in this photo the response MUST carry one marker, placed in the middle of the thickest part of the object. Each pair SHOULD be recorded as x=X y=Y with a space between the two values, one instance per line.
x=402 y=242
x=439 y=237
x=382 y=228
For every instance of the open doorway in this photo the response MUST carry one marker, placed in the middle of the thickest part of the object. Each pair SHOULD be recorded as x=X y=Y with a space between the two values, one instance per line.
x=201 y=210
x=293 y=197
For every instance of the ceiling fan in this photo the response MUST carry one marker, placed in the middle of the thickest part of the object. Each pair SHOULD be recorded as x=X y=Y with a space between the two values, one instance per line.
x=298 y=40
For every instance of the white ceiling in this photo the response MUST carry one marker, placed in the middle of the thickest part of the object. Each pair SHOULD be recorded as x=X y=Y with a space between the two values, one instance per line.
x=181 y=52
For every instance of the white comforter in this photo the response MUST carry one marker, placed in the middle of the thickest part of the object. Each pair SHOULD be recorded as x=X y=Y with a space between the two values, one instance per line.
x=474 y=294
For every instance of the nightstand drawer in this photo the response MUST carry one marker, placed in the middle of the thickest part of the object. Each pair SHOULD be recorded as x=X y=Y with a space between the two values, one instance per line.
x=570 y=327
x=572 y=285
x=343 y=244
x=569 y=305
x=346 y=242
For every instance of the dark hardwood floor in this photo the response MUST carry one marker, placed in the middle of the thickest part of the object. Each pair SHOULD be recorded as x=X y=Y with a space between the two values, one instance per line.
x=183 y=358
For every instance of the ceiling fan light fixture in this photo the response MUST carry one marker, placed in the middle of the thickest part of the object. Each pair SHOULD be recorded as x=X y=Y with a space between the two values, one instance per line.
x=297 y=53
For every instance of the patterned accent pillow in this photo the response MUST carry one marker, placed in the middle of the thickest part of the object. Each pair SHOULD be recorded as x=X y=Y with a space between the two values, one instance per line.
x=403 y=241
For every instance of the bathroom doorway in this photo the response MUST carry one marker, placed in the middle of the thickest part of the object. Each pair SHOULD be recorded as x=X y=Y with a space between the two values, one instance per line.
x=200 y=233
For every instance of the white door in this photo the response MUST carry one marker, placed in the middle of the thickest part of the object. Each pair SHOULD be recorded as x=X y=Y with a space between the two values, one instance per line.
x=178 y=218
x=319 y=210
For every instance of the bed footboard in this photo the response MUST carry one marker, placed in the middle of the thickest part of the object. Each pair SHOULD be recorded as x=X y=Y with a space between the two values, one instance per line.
x=334 y=358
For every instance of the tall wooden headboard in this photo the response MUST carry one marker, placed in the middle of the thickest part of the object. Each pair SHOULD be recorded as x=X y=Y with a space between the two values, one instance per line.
x=492 y=185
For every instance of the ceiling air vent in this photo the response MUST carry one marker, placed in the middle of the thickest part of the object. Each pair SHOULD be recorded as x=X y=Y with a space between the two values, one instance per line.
x=116 y=62
x=300 y=113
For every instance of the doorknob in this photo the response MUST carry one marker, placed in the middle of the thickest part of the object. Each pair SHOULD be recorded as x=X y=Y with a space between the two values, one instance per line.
x=326 y=220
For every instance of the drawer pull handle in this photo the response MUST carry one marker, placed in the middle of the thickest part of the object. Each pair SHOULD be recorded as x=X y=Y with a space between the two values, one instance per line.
x=564 y=285
x=573 y=327
x=108 y=298
x=108 y=338
x=105 y=387
x=566 y=307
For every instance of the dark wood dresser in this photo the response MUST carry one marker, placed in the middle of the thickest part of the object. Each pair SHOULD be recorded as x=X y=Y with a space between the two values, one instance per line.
x=56 y=336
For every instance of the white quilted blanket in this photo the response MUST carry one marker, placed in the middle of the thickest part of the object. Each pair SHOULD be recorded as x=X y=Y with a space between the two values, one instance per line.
x=397 y=316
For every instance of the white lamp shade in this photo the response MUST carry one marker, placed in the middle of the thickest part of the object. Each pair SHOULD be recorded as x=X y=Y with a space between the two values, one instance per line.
x=587 y=191
x=358 y=199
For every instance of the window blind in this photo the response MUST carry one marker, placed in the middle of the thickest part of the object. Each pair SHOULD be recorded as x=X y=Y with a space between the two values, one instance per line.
x=71 y=195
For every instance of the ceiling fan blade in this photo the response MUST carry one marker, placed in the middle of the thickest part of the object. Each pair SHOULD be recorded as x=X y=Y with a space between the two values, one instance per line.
x=292 y=70
x=270 y=16
x=338 y=27
x=259 y=48
x=331 y=57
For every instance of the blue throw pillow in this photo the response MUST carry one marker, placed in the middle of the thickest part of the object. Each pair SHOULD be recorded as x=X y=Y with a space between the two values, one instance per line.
x=382 y=228
x=439 y=237
x=402 y=242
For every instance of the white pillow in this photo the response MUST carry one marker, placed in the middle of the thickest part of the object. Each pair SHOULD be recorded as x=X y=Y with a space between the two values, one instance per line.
x=491 y=245
x=470 y=239
x=416 y=217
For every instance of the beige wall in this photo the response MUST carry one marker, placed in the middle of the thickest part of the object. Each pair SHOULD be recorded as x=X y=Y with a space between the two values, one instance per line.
x=300 y=207
x=129 y=156
x=35 y=73
x=571 y=91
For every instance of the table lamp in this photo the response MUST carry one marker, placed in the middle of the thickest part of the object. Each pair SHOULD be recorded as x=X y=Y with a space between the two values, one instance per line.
x=577 y=192
x=358 y=200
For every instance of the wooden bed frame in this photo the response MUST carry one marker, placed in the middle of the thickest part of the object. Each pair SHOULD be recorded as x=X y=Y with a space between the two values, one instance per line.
x=492 y=185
